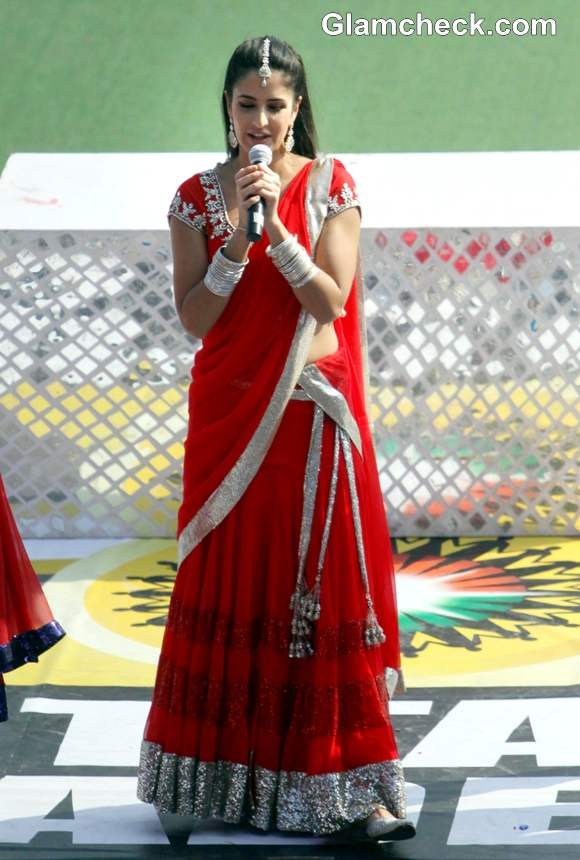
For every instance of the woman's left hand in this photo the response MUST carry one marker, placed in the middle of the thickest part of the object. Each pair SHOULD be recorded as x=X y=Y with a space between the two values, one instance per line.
x=267 y=184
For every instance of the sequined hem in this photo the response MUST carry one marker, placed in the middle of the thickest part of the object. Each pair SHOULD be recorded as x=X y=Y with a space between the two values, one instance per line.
x=286 y=800
x=26 y=647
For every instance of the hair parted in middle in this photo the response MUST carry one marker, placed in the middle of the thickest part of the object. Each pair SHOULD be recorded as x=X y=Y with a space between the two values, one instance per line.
x=282 y=57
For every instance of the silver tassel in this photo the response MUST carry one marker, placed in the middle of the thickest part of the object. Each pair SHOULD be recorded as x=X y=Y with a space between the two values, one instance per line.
x=306 y=610
x=307 y=601
x=373 y=633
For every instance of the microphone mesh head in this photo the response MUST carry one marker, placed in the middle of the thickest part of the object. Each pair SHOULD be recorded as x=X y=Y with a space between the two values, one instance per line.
x=260 y=153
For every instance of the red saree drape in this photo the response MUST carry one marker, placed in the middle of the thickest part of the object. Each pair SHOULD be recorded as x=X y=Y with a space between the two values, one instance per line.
x=27 y=626
x=279 y=462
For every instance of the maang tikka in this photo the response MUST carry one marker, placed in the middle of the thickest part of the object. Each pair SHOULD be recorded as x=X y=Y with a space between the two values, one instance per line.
x=265 y=71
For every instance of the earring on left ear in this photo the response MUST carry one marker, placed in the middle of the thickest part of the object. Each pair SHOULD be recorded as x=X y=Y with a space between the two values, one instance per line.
x=233 y=140
x=289 y=142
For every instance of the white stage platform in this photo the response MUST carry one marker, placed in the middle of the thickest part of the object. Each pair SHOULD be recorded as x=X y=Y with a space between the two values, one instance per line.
x=133 y=190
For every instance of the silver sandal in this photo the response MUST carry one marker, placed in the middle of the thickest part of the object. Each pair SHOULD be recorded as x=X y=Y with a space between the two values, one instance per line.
x=394 y=828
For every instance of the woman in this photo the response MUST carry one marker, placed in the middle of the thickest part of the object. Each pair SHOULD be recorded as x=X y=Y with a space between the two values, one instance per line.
x=27 y=626
x=281 y=646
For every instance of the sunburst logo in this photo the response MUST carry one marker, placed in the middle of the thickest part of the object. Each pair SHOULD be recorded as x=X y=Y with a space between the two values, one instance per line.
x=472 y=611
x=460 y=599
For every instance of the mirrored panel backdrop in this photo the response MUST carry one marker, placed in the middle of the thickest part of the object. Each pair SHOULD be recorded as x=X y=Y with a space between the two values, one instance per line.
x=474 y=353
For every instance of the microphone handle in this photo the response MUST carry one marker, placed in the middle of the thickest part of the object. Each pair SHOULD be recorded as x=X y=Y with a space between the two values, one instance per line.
x=255 y=221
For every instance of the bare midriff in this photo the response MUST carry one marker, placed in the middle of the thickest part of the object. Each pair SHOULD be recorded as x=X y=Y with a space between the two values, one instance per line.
x=324 y=342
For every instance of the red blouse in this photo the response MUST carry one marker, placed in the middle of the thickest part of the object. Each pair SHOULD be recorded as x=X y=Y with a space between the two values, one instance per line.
x=199 y=202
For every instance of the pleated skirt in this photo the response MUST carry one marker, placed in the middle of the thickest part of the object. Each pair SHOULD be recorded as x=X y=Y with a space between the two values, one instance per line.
x=239 y=730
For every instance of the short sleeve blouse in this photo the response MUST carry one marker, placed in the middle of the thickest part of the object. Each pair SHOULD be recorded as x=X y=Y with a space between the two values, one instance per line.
x=343 y=192
x=199 y=202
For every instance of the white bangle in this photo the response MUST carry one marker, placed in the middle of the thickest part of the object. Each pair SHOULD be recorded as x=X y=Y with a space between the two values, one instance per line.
x=222 y=274
x=292 y=259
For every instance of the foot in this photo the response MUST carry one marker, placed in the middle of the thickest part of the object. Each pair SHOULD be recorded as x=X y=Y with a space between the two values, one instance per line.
x=382 y=823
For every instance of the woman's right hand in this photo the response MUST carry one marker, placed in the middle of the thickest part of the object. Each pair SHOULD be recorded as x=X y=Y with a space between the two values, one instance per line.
x=246 y=195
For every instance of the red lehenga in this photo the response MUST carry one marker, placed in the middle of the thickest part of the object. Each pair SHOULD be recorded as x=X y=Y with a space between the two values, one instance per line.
x=27 y=626
x=281 y=649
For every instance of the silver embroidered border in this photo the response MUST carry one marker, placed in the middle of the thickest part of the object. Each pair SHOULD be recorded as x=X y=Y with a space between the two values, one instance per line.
x=310 y=486
x=355 y=508
x=317 y=197
x=323 y=392
x=215 y=204
x=186 y=212
x=349 y=198
x=331 y=500
x=299 y=394
x=286 y=800
x=229 y=492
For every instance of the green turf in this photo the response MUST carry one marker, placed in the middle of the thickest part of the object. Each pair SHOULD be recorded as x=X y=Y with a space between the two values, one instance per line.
x=146 y=75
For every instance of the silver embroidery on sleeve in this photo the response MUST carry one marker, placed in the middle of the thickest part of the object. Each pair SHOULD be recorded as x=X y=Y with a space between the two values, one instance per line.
x=287 y=800
x=186 y=212
x=343 y=199
x=215 y=205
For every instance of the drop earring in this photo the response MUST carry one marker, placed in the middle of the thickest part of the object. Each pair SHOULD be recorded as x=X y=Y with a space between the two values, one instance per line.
x=289 y=142
x=232 y=139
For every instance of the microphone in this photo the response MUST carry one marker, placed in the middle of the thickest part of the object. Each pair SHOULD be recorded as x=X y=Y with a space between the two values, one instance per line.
x=258 y=154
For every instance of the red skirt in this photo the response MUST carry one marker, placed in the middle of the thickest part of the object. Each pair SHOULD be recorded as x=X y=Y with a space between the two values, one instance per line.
x=237 y=728
x=27 y=626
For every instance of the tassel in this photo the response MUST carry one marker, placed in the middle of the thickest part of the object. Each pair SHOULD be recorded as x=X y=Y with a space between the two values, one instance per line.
x=374 y=633
x=306 y=607
x=305 y=603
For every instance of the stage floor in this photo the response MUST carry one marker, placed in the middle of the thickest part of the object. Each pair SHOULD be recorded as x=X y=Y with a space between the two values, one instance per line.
x=487 y=731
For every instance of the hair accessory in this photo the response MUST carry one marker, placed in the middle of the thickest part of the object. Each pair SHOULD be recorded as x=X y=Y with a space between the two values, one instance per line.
x=265 y=71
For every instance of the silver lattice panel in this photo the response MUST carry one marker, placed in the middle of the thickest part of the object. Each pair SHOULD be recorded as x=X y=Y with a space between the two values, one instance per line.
x=474 y=348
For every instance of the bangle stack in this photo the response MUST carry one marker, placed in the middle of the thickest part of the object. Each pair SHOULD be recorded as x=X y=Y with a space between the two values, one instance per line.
x=222 y=274
x=292 y=259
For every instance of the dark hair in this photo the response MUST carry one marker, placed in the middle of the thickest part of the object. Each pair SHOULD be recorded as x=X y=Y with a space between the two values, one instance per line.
x=282 y=57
